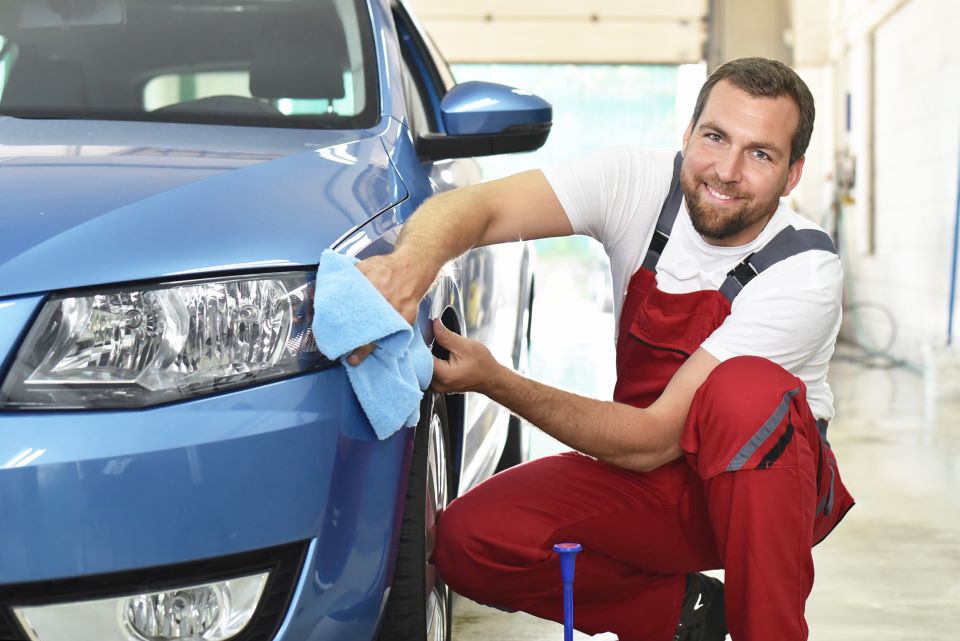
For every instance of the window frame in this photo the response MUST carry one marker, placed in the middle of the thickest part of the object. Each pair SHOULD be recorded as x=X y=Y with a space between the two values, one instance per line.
x=421 y=60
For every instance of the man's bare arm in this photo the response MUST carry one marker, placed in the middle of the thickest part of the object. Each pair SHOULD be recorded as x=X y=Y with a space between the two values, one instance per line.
x=626 y=436
x=522 y=206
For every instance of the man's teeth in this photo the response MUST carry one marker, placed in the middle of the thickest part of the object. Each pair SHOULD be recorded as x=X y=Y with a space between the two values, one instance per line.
x=717 y=194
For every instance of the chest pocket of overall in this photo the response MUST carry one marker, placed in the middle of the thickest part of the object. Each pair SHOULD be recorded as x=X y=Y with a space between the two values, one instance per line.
x=658 y=332
x=678 y=322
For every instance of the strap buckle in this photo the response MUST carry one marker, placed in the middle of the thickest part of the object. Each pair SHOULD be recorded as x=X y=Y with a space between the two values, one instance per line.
x=659 y=241
x=744 y=272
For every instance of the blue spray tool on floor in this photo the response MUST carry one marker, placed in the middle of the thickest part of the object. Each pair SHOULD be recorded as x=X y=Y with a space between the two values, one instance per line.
x=568 y=559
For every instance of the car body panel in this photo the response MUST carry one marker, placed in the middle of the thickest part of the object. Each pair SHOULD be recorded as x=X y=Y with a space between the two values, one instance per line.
x=90 y=204
x=251 y=469
x=266 y=209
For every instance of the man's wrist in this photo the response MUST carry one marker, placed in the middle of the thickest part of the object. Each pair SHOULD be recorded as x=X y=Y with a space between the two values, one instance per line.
x=422 y=269
x=496 y=382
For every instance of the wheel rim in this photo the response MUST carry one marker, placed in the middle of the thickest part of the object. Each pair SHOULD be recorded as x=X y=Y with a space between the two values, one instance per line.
x=437 y=496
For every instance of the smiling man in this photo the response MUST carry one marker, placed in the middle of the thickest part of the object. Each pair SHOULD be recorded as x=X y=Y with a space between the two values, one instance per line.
x=713 y=453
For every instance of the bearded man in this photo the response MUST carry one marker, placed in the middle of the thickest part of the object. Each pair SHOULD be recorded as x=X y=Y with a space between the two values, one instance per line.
x=713 y=453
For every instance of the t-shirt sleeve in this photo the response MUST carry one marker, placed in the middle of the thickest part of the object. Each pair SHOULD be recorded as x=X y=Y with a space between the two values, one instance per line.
x=603 y=191
x=789 y=314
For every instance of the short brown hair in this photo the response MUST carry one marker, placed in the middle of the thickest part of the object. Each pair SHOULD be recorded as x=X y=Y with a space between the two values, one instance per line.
x=769 y=79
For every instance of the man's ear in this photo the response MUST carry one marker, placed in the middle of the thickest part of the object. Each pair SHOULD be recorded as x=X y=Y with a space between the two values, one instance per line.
x=793 y=176
x=687 y=134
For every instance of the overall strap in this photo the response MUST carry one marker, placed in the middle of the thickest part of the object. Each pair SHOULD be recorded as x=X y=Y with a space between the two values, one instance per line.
x=789 y=242
x=668 y=214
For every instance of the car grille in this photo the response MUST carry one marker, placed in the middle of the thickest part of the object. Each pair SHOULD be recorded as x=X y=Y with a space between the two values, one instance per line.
x=284 y=562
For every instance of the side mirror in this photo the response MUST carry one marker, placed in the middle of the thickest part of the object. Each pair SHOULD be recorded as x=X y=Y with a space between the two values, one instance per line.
x=484 y=119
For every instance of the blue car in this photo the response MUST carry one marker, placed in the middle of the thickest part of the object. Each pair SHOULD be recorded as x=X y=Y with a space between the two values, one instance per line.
x=177 y=458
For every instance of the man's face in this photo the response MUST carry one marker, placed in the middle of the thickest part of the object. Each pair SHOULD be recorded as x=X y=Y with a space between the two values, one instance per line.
x=736 y=163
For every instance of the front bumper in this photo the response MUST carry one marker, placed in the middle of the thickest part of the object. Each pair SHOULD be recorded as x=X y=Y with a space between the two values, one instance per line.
x=291 y=461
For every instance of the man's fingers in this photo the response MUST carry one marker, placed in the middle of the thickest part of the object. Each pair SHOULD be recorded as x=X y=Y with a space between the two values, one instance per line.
x=441 y=371
x=357 y=356
x=444 y=336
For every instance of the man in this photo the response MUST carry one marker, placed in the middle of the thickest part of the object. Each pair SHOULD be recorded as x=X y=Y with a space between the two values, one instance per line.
x=713 y=453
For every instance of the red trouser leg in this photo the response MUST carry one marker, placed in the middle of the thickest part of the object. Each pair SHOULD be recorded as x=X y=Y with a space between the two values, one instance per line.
x=743 y=499
x=752 y=439
x=641 y=533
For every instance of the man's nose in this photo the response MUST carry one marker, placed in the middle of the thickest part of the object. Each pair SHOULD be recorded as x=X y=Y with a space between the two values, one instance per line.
x=729 y=166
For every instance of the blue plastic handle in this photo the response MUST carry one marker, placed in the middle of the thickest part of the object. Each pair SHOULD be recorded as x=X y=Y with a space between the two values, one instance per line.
x=568 y=559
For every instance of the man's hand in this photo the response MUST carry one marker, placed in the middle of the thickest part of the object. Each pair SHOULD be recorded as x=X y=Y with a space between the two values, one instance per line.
x=395 y=278
x=470 y=368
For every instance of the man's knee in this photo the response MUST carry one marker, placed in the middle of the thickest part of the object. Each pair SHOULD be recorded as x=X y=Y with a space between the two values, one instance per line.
x=744 y=388
x=744 y=402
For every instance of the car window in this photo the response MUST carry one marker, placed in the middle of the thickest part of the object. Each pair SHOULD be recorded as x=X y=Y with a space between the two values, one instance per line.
x=441 y=72
x=420 y=121
x=175 y=88
x=8 y=54
x=420 y=64
x=271 y=63
x=443 y=69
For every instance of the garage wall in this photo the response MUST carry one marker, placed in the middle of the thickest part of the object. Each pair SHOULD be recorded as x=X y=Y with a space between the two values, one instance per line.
x=900 y=64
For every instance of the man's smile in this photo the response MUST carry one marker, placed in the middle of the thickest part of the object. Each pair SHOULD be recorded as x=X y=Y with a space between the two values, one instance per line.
x=719 y=196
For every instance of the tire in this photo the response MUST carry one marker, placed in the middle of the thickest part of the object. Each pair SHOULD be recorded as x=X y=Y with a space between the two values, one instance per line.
x=419 y=605
x=517 y=448
x=513 y=451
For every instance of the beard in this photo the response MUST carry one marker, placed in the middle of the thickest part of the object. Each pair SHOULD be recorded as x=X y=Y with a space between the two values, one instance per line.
x=718 y=222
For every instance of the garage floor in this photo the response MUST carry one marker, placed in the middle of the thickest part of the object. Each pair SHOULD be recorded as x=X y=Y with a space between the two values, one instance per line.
x=891 y=571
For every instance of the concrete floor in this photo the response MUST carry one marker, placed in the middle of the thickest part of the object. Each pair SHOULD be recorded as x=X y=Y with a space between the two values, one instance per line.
x=891 y=571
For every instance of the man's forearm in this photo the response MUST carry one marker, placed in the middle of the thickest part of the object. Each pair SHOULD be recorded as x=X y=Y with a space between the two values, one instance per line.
x=522 y=206
x=620 y=434
x=443 y=228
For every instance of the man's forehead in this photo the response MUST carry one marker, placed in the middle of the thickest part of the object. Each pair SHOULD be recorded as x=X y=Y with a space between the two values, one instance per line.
x=725 y=92
x=772 y=119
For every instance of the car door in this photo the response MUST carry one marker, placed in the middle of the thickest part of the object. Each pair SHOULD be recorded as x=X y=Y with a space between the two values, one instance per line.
x=491 y=277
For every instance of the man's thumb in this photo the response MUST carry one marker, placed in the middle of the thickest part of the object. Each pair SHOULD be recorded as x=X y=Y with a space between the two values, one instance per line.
x=443 y=335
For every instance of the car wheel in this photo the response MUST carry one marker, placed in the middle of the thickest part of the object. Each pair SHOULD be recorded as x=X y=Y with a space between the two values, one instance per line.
x=516 y=449
x=419 y=606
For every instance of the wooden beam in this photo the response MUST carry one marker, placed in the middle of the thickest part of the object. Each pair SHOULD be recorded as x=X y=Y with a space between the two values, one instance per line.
x=549 y=10
x=568 y=41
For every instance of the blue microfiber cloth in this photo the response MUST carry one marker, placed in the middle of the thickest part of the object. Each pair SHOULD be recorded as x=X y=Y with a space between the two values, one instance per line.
x=349 y=312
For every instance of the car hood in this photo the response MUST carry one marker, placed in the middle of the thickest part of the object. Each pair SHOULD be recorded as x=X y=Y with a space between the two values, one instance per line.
x=89 y=203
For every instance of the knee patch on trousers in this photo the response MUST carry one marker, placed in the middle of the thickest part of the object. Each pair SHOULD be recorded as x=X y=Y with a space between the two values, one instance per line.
x=744 y=416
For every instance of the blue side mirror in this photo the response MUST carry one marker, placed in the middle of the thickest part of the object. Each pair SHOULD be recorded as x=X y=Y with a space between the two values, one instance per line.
x=485 y=118
x=473 y=108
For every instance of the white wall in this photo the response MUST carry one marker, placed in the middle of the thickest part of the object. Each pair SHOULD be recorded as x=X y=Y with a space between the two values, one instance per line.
x=813 y=195
x=912 y=93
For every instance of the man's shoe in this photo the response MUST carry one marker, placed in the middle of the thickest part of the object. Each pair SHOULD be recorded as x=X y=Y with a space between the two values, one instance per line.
x=701 y=615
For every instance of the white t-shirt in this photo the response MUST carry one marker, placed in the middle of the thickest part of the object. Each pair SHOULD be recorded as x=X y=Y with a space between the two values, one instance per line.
x=789 y=314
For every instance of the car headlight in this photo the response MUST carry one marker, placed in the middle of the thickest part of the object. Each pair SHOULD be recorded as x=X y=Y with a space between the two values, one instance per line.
x=141 y=346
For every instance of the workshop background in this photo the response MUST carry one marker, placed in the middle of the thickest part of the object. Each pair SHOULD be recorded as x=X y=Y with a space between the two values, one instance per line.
x=881 y=176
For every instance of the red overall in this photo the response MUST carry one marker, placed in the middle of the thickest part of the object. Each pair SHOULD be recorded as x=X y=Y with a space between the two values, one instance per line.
x=757 y=488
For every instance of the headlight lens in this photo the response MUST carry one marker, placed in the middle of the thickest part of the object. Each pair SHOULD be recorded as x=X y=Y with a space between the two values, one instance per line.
x=140 y=346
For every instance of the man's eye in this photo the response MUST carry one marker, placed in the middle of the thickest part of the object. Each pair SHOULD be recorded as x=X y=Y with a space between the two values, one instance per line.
x=761 y=155
x=714 y=137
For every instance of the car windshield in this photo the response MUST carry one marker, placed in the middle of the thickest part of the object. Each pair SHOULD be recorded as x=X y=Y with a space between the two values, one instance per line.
x=281 y=63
